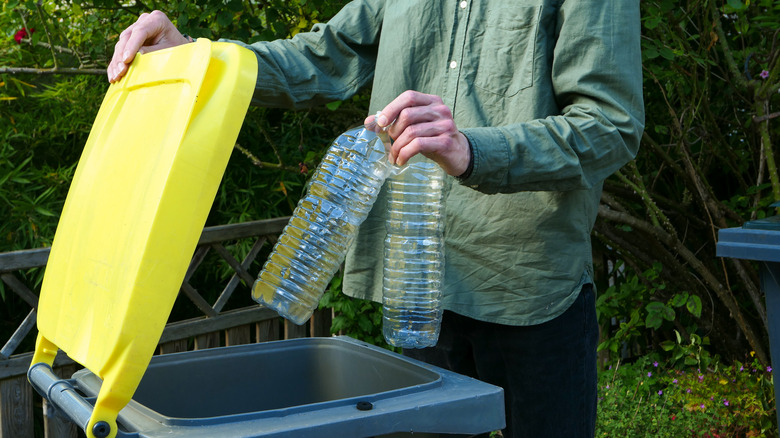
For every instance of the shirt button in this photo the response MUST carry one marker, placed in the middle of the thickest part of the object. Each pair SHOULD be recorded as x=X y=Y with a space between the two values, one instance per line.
x=453 y=64
x=463 y=4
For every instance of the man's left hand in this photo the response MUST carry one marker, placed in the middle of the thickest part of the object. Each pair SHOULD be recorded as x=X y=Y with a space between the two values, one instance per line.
x=422 y=124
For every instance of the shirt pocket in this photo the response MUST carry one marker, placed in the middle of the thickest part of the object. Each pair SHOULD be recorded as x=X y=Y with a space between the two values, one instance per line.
x=506 y=59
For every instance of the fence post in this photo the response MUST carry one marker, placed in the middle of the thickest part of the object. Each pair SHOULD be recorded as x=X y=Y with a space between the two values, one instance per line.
x=294 y=331
x=321 y=321
x=209 y=340
x=268 y=330
x=238 y=335
x=16 y=408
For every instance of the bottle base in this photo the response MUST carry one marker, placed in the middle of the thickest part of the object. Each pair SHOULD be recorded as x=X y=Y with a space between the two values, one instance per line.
x=410 y=339
x=291 y=311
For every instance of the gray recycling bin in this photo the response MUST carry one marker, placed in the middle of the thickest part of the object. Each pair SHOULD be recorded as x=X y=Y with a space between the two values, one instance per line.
x=309 y=387
x=760 y=240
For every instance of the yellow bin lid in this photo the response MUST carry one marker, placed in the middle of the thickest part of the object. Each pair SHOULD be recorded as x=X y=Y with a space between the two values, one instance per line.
x=135 y=211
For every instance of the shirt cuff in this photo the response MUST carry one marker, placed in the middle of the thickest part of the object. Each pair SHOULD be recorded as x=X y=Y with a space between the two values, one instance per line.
x=490 y=159
x=470 y=167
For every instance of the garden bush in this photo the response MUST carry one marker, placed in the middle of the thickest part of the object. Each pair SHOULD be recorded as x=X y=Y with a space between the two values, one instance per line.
x=648 y=398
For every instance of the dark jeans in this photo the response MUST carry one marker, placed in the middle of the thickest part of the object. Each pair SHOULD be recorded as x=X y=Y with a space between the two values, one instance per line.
x=548 y=371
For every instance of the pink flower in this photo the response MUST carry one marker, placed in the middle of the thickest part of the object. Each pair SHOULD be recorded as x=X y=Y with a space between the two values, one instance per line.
x=764 y=74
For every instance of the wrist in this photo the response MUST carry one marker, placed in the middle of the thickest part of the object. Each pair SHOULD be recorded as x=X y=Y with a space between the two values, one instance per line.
x=470 y=166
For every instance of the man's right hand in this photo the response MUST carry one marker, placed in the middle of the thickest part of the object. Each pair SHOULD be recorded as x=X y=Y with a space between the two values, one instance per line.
x=151 y=32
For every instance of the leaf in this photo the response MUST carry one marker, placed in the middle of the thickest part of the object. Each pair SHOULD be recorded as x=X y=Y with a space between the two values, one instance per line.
x=235 y=5
x=365 y=323
x=183 y=20
x=654 y=320
x=656 y=313
x=224 y=18
x=737 y=4
x=679 y=300
x=45 y=212
x=667 y=53
x=694 y=306
x=653 y=22
x=668 y=345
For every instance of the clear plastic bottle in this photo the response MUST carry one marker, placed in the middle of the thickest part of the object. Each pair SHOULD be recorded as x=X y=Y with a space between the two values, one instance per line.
x=414 y=255
x=314 y=243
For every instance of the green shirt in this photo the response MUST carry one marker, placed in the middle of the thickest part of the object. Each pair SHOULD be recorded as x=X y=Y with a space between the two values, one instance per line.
x=548 y=93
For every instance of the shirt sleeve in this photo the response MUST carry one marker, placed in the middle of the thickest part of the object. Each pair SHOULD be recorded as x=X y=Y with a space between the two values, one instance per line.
x=597 y=84
x=331 y=62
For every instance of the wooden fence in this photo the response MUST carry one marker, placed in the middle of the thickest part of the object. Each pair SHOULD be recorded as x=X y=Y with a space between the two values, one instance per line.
x=22 y=412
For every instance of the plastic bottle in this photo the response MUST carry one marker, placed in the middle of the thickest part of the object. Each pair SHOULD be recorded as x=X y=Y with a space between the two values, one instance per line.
x=414 y=255
x=315 y=241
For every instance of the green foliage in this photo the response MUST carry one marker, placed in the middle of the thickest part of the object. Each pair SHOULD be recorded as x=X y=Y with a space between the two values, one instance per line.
x=630 y=313
x=356 y=318
x=689 y=352
x=648 y=399
x=46 y=118
x=44 y=131
x=707 y=161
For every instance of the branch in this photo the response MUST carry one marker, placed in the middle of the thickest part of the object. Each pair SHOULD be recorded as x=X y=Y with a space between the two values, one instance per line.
x=762 y=107
x=674 y=244
x=262 y=164
x=50 y=47
x=52 y=71
x=272 y=144
x=48 y=34
x=732 y=64
x=758 y=119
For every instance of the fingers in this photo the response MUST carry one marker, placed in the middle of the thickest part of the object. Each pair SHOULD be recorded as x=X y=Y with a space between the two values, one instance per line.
x=422 y=124
x=118 y=65
x=428 y=138
x=431 y=120
x=151 y=32
x=408 y=109
x=407 y=99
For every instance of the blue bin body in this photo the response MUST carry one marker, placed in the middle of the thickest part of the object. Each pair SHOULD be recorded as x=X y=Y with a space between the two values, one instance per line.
x=760 y=241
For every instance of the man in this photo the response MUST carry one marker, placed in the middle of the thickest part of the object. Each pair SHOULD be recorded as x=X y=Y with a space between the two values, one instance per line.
x=530 y=105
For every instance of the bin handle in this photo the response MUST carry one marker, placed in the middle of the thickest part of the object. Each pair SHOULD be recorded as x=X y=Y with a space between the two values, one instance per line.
x=64 y=397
